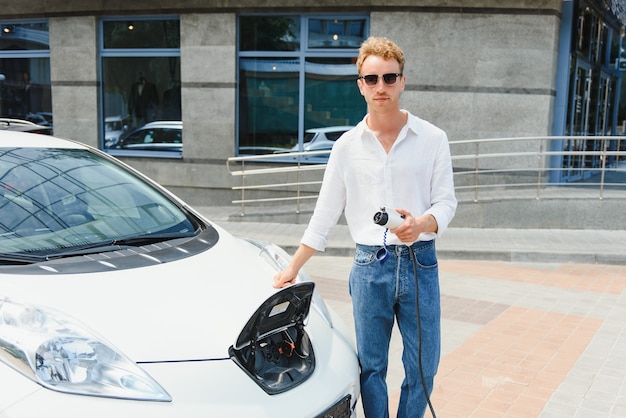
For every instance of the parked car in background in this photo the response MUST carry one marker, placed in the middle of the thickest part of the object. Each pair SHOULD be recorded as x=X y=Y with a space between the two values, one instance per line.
x=113 y=129
x=319 y=139
x=20 y=125
x=154 y=136
x=117 y=299
x=40 y=118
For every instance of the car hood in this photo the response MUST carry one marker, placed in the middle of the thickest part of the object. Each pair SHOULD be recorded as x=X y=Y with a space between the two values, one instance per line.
x=190 y=309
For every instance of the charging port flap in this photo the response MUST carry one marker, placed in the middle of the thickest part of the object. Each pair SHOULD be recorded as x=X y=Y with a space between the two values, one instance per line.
x=273 y=347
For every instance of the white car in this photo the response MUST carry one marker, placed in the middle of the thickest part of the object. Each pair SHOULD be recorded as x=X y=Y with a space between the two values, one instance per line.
x=113 y=129
x=162 y=136
x=322 y=139
x=118 y=300
x=319 y=139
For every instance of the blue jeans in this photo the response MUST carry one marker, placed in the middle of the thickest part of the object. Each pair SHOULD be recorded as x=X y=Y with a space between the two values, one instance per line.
x=382 y=293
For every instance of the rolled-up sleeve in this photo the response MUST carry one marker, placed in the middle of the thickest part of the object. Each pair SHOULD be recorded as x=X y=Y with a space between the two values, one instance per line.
x=329 y=207
x=443 y=200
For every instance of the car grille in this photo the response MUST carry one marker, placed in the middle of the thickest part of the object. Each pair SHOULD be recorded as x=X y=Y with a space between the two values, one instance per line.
x=339 y=410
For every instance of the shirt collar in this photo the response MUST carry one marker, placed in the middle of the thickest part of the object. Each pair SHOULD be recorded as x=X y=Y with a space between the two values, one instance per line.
x=412 y=124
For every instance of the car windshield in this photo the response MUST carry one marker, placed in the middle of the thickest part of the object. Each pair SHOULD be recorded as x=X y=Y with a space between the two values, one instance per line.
x=55 y=200
x=308 y=137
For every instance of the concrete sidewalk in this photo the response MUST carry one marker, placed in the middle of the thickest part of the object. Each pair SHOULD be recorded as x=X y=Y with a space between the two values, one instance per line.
x=532 y=320
x=520 y=245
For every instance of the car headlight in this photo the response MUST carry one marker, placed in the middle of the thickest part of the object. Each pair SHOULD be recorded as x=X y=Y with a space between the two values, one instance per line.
x=61 y=354
x=279 y=259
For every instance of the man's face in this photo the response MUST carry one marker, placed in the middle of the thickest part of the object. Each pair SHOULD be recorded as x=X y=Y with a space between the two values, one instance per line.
x=384 y=94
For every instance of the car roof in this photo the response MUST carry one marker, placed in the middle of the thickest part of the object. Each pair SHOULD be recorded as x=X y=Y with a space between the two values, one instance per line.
x=31 y=140
x=21 y=125
x=19 y=122
x=162 y=123
x=330 y=129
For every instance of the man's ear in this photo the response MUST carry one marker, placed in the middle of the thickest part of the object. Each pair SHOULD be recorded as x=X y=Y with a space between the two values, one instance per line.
x=359 y=83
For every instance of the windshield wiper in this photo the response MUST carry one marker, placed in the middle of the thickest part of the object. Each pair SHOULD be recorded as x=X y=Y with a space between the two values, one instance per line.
x=21 y=258
x=91 y=248
x=140 y=240
x=28 y=258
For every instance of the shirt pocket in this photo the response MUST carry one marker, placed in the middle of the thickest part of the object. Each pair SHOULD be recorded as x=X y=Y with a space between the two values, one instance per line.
x=365 y=173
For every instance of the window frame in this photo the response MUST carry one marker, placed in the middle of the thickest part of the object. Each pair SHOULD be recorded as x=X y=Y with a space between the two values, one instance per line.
x=104 y=53
x=26 y=53
x=301 y=54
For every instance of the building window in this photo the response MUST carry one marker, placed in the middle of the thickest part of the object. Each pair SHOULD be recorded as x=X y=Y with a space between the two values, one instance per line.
x=140 y=72
x=297 y=78
x=25 y=72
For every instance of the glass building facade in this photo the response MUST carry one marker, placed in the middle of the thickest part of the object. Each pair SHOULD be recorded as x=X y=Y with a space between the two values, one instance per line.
x=594 y=107
x=140 y=73
x=296 y=73
x=25 y=91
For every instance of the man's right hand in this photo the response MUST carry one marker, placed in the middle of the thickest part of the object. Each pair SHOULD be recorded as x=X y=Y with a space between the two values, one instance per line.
x=285 y=278
x=290 y=273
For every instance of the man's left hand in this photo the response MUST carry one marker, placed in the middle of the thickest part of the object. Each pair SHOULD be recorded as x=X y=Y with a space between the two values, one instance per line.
x=410 y=230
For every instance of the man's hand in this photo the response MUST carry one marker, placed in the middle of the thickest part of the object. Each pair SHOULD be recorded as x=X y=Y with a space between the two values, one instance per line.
x=410 y=230
x=285 y=278
x=290 y=273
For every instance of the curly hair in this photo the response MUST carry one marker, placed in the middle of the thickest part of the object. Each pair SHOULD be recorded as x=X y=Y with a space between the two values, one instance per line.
x=381 y=47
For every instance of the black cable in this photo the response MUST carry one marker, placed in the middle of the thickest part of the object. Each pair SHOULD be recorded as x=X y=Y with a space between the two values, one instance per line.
x=419 y=333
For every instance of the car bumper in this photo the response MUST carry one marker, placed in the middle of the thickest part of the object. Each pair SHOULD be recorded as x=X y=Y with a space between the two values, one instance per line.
x=198 y=389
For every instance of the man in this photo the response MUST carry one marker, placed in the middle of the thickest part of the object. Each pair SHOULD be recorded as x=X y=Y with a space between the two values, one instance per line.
x=396 y=160
x=143 y=101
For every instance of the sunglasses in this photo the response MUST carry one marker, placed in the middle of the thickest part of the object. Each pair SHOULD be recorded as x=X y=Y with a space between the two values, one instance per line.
x=389 y=79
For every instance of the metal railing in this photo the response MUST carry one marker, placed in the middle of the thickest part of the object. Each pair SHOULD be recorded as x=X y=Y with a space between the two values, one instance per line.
x=484 y=169
x=295 y=188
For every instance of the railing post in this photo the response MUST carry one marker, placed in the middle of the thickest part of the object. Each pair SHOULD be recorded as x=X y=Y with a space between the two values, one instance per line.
x=603 y=158
x=476 y=168
x=298 y=188
x=539 y=170
x=242 y=212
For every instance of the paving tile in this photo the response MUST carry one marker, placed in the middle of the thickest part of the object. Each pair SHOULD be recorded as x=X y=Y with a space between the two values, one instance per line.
x=521 y=370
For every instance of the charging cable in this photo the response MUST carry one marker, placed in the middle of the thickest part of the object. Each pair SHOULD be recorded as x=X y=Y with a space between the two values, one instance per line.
x=419 y=333
x=392 y=219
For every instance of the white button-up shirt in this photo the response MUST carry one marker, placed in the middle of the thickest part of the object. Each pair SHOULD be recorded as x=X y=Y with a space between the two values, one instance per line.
x=361 y=178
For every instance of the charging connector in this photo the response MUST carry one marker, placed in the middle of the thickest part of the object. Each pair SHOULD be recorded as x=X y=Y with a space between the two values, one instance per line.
x=388 y=218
